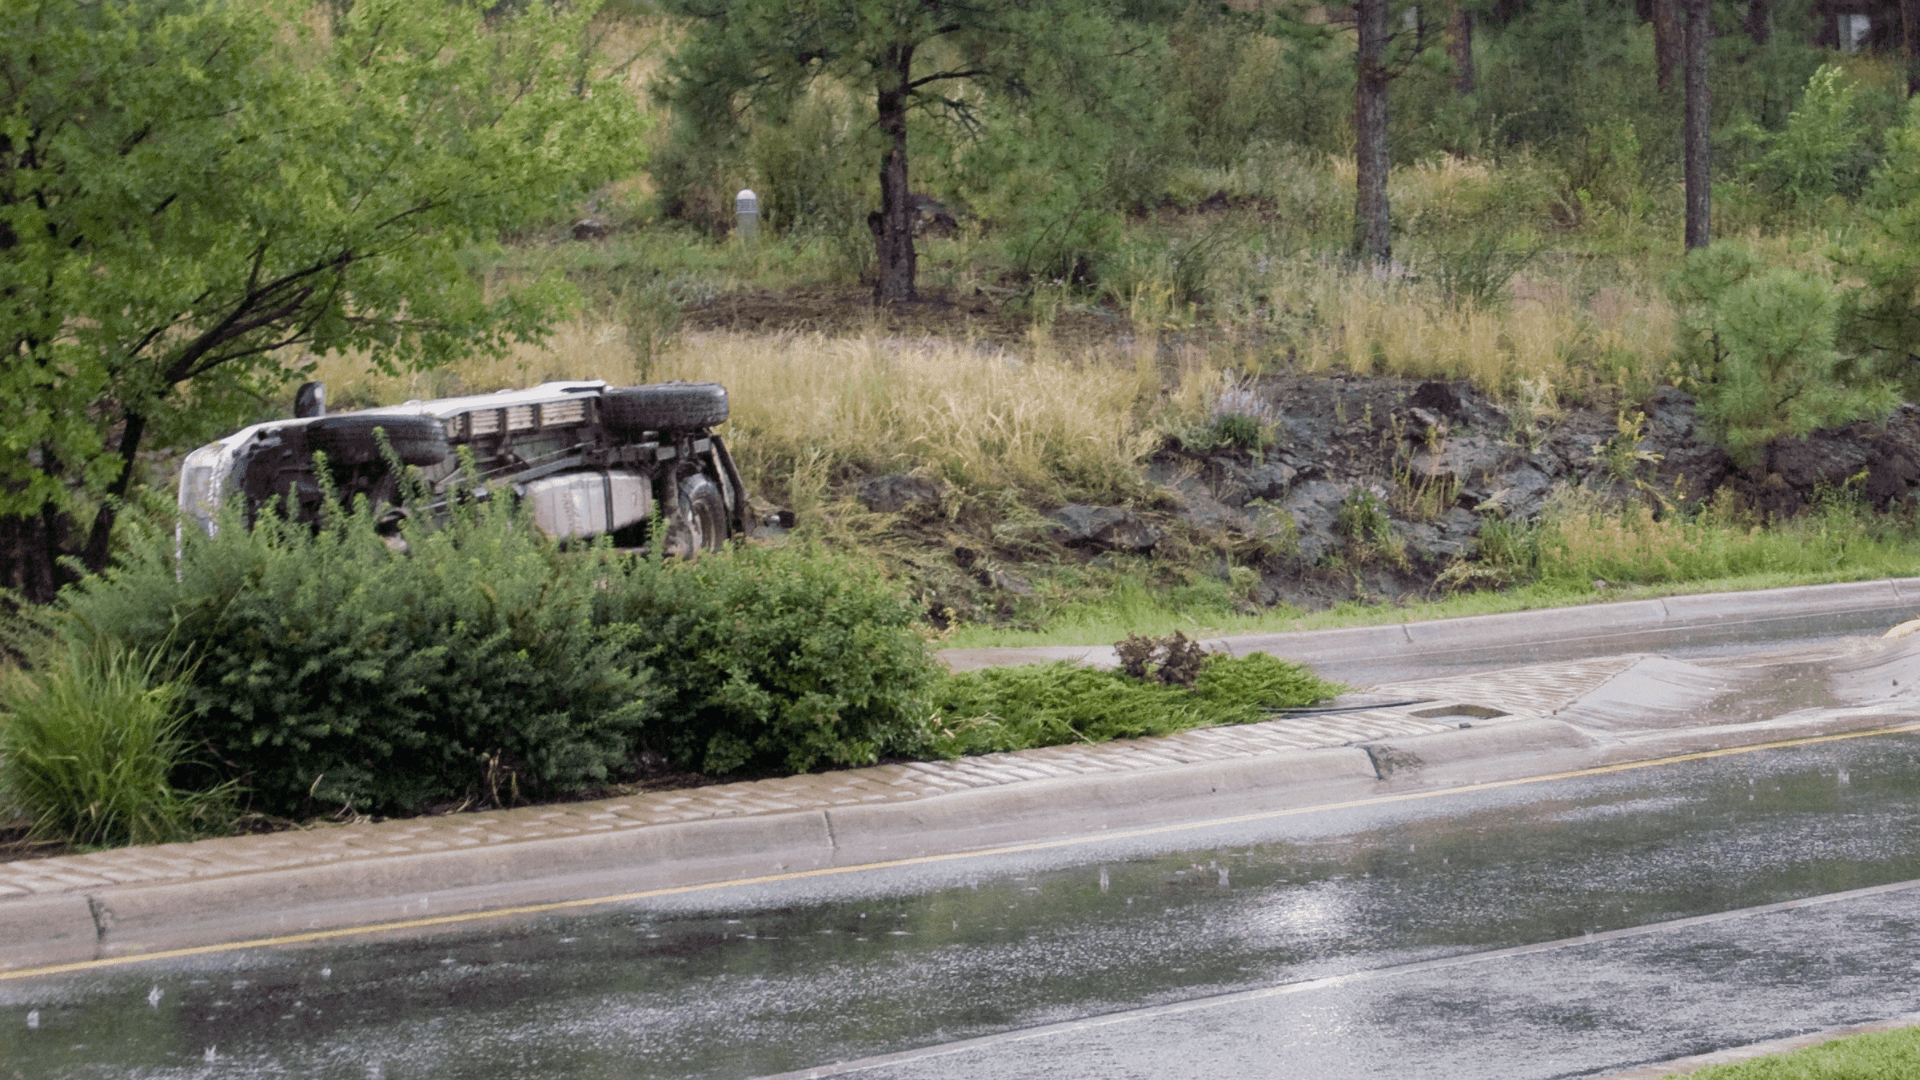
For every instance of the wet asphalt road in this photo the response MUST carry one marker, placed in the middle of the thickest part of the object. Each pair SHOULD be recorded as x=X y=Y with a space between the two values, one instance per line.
x=1361 y=942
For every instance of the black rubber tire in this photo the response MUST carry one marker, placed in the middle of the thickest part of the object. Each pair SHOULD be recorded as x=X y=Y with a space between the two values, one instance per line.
x=705 y=526
x=673 y=406
x=348 y=439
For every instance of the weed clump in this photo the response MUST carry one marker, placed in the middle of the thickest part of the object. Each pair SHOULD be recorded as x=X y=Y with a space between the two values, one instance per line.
x=1175 y=660
x=1017 y=708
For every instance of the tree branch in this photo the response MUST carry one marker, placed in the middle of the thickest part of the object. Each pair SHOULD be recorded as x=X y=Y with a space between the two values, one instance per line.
x=937 y=77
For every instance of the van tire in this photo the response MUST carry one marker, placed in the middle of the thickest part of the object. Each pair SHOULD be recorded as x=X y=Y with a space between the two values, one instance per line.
x=671 y=406
x=702 y=528
x=348 y=439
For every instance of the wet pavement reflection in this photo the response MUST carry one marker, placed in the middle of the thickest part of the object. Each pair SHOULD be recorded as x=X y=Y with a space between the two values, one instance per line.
x=753 y=981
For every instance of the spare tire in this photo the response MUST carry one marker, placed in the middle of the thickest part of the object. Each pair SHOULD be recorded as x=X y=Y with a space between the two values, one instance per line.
x=348 y=439
x=672 y=406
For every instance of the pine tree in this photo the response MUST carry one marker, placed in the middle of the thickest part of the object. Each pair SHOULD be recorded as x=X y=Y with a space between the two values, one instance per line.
x=746 y=56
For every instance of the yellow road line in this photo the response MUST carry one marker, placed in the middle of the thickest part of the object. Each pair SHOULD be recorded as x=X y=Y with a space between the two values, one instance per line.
x=923 y=860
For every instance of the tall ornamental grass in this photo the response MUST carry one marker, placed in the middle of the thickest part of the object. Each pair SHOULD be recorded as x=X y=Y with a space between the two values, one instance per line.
x=89 y=744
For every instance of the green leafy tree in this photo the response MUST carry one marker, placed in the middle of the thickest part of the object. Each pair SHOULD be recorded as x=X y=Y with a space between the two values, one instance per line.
x=937 y=57
x=188 y=188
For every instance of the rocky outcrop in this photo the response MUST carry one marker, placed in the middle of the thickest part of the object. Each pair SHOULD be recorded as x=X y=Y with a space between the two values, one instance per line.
x=1383 y=487
x=1104 y=528
x=1436 y=460
x=1881 y=464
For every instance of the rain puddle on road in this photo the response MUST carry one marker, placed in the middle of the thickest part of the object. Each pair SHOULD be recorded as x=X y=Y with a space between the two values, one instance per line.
x=737 y=982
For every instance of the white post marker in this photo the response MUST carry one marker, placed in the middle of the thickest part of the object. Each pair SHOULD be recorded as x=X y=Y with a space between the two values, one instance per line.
x=746 y=207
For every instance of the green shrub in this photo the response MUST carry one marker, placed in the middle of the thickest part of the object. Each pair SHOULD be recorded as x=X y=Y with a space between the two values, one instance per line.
x=1764 y=352
x=89 y=743
x=1016 y=708
x=775 y=658
x=1237 y=690
x=330 y=671
x=1803 y=163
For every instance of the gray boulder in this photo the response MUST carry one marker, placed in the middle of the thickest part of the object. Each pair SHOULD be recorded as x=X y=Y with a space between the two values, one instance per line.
x=1464 y=459
x=1520 y=494
x=1106 y=528
x=1268 y=480
x=1315 y=509
x=1452 y=535
x=892 y=494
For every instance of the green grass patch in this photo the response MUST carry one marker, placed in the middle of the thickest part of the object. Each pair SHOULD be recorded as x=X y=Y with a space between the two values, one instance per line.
x=1018 y=708
x=89 y=744
x=1874 y=1056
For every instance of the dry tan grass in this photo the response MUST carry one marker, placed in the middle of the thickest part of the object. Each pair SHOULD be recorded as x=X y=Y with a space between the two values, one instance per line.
x=981 y=419
x=581 y=349
x=1545 y=336
x=811 y=410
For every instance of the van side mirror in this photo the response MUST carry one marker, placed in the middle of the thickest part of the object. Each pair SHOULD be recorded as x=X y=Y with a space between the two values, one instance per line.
x=310 y=400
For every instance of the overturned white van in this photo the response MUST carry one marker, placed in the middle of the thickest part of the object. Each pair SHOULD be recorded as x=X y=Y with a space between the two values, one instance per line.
x=586 y=458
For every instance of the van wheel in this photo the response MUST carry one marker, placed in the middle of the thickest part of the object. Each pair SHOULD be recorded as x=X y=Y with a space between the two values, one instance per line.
x=348 y=439
x=672 y=406
x=702 y=527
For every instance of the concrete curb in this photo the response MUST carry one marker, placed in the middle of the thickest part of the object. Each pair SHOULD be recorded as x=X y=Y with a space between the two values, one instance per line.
x=1527 y=736
x=1531 y=637
x=123 y=920
x=1082 y=805
x=130 y=920
x=1367 y=654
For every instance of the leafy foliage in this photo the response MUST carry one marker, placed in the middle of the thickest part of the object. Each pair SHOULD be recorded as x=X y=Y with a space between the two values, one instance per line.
x=188 y=187
x=775 y=658
x=328 y=670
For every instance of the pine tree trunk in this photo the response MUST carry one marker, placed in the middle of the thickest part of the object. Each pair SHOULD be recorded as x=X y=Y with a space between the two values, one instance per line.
x=1759 y=25
x=1372 y=238
x=1910 y=23
x=1698 y=128
x=1667 y=45
x=893 y=225
x=1460 y=47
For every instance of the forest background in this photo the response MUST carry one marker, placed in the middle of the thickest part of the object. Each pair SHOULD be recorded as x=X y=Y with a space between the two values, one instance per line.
x=1142 y=208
